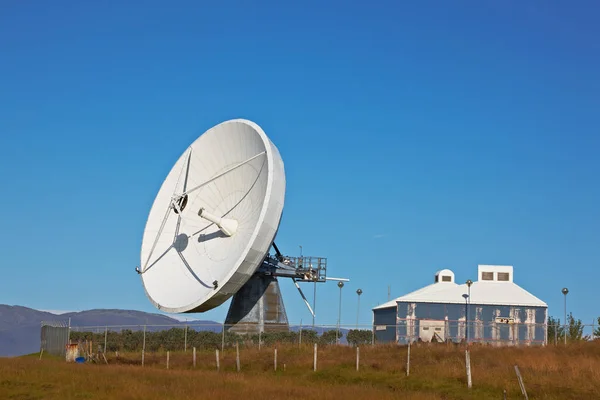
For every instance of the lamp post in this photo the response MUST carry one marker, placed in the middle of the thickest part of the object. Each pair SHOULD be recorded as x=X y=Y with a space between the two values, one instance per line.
x=565 y=291
x=358 y=292
x=469 y=283
x=314 y=302
x=466 y=296
x=337 y=335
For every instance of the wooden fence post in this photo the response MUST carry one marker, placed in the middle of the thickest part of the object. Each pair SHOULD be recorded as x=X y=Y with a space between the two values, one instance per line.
x=185 y=339
x=237 y=356
x=468 y=364
x=144 y=346
x=315 y=358
x=521 y=384
x=408 y=360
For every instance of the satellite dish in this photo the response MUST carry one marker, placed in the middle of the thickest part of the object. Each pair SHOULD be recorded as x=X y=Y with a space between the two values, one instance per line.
x=212 y=224
x=213 y=219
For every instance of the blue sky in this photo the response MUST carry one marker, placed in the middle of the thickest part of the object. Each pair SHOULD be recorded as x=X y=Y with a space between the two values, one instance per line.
x=416 y=136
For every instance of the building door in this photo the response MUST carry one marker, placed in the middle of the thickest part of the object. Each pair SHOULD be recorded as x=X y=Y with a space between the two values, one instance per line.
x=430 y=329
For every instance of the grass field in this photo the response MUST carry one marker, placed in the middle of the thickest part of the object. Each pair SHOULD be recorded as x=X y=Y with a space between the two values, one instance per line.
x=436 y=372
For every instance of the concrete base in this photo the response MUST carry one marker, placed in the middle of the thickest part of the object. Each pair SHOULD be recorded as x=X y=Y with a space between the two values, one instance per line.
x=257 y=307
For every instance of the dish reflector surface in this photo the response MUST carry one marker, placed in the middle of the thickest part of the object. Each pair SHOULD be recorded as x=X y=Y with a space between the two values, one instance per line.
x=234 y=172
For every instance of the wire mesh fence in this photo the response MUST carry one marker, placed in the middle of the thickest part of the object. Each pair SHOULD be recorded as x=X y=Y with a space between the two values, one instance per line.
x=458 y=331
x=561 y=333
x=496 y=332
x=183 y=337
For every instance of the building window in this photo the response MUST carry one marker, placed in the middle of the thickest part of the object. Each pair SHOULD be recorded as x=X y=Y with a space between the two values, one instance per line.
x=503 y=276
x=487 y=276
x=446 y=278
x=437 y=278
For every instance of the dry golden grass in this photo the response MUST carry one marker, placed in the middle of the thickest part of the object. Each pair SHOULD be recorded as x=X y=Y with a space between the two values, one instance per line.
x=436 y=372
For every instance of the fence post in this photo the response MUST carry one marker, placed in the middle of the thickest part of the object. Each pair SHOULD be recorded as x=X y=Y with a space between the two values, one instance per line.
x=237 y=356
x=223 y=338
x=275 y=361
x=315 y=358
x=373 y=337
x=468 y=364
x=42 y=339
x=194 y=356
x=300 y=336
x=259 y=338
x=521 y=384
x=357 y=357
x=105 y=338
x=217 y=356
x=144 y=346
x=408 y=360
x=167 y=359
x=593 y=327
x=185 y=340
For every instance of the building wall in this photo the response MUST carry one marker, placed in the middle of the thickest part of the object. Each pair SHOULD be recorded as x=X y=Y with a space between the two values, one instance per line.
x=384 y=321
x=448 y=320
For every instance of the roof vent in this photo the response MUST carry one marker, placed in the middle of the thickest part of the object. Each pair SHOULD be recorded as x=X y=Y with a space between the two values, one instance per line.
x=503 y=276
x=444 y=275
x=495 y=273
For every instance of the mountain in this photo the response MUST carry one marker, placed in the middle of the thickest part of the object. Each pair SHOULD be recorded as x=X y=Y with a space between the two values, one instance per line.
x=117 y=317
x=20 y=329
x=20 y=326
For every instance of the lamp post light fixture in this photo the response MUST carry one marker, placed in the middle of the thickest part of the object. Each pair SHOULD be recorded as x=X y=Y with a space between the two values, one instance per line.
x=565 y=291
x=358 y=292
x=340 y=285
x=469 y=283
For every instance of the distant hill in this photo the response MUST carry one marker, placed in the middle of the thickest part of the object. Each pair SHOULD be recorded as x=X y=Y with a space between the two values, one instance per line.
x=110 y=317
x=20 y=326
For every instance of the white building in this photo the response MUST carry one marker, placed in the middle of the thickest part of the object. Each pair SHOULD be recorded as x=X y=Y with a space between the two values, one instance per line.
x=494 y=308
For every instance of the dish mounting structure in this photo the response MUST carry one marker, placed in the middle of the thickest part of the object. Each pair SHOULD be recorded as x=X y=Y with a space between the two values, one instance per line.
x=211 y=228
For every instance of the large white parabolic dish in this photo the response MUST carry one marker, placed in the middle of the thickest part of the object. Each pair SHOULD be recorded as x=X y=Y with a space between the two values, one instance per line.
x=233 y=171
